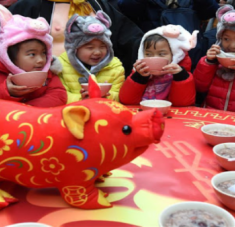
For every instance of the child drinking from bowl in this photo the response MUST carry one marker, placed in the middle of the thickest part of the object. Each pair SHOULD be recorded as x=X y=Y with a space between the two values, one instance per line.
x=26 y=46
x=176 y=82
x=89 y=51
x=215 y=83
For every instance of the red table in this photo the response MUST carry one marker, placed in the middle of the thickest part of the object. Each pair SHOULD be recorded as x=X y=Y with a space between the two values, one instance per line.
x=177 y=169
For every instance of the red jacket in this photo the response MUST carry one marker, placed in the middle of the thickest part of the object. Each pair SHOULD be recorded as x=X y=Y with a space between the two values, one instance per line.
x=217 y=89
x=182 y=93
x=53 y=94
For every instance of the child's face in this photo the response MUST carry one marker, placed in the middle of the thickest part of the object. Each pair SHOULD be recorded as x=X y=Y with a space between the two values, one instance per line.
x=92 y=53
x=228 y=41
x=32 y=56
x=161 y=49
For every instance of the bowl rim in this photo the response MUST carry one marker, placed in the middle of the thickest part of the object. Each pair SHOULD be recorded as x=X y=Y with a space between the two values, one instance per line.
x=220 y=145
x=219 y=125
x=222 y=175
x=143 y=103
x=195 y=205
x=19 y=74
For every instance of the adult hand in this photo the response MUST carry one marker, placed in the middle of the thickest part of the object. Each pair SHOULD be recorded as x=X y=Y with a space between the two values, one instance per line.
x=212 y=52
x=172 y=68
x=141 y=68
x=16 y=90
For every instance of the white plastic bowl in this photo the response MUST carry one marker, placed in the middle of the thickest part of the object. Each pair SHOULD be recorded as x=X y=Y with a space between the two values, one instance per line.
x=225 y=198
x=191 y=205
x=162 y=105
x=29 y=224
x=217 y=139
x=222 y=160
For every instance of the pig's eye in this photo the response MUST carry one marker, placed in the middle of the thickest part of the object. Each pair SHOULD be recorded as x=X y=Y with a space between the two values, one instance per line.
x=126 y=130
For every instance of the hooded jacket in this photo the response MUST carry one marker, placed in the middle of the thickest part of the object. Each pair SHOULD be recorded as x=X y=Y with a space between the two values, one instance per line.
x=181 y=90
x=16 y=29
x=79 y=31
x=215 y=83
x=112 y=73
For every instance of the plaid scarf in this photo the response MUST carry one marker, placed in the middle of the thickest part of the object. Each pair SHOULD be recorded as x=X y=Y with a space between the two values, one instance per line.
x=158 y=87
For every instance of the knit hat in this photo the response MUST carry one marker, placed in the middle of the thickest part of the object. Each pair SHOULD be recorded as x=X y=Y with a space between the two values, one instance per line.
x=15 y=29
x=179 y=39
x=226 y=20
x=83 y=29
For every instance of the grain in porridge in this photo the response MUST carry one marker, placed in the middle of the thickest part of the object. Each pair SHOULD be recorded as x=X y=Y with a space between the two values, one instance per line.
x=227 y=186
x=221 y=133
x=195 y=218
x=227 y=152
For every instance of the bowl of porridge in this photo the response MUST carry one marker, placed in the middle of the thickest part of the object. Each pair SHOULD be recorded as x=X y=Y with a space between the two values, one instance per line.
x=104 y=87
x=155 y=65
x=195 y=214
x=225 y=155
x=218 y=133
x=226 y=59
x=162 y=105
x=224 y=187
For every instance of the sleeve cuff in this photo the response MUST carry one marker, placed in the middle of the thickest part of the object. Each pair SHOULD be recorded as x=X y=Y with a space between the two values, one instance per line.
x=140 y=79
x=211 y=62
x=183 y=75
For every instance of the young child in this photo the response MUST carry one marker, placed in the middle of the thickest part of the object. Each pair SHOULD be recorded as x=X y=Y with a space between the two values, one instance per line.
x=176 y=84
x=27 y=46
x=89 y=51
x=214 y=83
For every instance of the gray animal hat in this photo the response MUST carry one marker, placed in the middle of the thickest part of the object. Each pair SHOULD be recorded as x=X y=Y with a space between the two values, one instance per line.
x=83 y=29
x=226 y=20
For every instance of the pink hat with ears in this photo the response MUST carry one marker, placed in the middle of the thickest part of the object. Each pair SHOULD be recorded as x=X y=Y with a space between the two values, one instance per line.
x=15 y=29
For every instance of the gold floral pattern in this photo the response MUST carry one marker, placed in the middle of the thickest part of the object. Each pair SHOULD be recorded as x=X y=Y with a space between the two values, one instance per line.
x=52 y=166
x=4 y=142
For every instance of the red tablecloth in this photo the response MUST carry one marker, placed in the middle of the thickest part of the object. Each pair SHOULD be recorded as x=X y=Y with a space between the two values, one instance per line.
x=178 y=169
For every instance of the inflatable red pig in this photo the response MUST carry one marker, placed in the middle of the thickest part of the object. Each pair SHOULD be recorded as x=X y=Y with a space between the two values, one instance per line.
x=71 y=146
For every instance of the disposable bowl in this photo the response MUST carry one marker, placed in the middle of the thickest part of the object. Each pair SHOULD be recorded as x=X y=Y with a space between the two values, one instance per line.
x=223 y=156
x=155 y=65
x=216 y=211
x=104 y=87
x=30 y=79
x=224 y=196
x=217 y=138
x=162 y=105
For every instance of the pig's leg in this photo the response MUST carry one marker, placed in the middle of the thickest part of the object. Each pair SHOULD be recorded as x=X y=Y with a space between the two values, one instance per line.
x=6 y=199
x=85 y=198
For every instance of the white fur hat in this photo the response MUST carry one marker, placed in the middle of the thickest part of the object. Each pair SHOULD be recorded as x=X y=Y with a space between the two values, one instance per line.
x=179 y=39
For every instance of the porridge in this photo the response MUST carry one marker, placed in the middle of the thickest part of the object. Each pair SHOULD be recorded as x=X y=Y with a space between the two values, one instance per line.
x=221 y=133
x=195 y=218
x=227 y=152
x=227 y=187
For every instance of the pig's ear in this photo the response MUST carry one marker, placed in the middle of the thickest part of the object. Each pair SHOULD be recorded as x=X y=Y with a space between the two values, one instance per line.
x=75 y=118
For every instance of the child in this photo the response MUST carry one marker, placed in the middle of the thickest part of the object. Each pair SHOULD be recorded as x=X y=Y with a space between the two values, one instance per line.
x=176 y=84
x=27 y=46
x=89 y=51
x=215 y=83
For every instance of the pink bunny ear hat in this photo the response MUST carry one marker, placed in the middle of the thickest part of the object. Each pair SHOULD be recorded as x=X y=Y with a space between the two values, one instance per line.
x=15 y=29
x=226 y=20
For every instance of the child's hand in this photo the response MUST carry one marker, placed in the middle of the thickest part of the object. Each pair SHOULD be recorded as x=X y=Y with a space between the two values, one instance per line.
x=17 y=91
x=84 y=93
x=172 y=68
x=212 y=52
x=141 y=68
